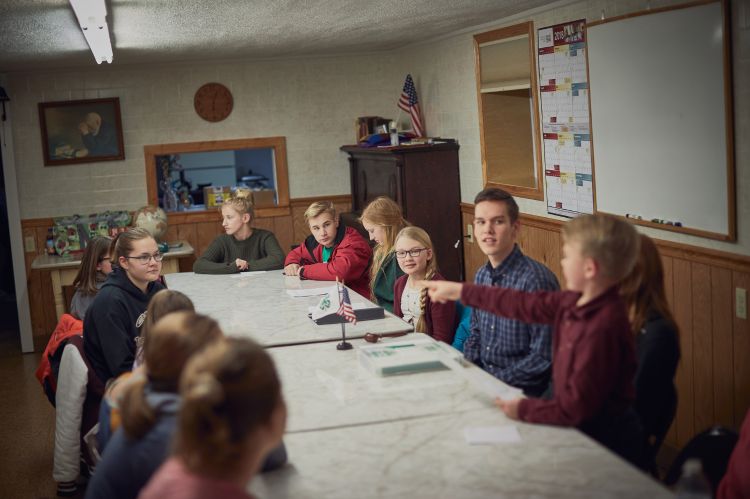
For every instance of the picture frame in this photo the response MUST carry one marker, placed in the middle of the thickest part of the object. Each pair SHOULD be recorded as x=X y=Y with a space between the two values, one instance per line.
x=81 y=131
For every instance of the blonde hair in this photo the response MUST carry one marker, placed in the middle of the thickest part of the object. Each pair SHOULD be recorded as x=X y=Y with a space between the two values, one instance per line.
x=229 y=391
x=242 y=202
x=422 y=237
x=86 y=278
x=168 y=346
x=319 y=207
x=383 y=211
x=122 y=244
x=161 y=304
x=612 y=242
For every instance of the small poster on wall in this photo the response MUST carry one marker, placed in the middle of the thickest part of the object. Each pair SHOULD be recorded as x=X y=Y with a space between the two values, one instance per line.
x=566 y=132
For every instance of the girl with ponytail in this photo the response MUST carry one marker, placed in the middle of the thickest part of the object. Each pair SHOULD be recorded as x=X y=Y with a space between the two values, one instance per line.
x=232 y=415
x=416 y=257
x=382 y=219
x=148 y=405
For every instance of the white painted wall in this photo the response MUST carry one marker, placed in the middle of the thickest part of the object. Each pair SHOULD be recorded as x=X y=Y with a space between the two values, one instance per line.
x=443 y=70
x=313 y=102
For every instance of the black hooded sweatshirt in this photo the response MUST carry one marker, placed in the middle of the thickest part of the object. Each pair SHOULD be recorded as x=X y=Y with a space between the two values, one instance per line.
x=112 y=323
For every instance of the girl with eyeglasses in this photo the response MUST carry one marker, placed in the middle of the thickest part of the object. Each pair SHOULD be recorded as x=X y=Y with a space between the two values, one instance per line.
x=382 y=219
x=114 y=318
x=95 y=266
x=415 y=255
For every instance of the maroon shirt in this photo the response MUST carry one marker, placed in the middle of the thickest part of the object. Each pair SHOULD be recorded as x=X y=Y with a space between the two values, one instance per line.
x=736 y=481
x=593 y=359
x=439 y=318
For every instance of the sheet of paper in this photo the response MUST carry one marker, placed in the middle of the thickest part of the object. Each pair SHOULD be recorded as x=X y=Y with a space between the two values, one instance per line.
x=301 y=293
x=247 y=274
x=488 y=435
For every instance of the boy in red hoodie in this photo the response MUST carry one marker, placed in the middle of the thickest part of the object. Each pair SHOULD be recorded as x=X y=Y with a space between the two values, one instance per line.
x=593 y=352
x=332 y=251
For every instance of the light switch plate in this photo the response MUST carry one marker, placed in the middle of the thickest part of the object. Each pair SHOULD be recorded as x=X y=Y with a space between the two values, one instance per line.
x=470 y=232
x=740 y=303
x=28 y=244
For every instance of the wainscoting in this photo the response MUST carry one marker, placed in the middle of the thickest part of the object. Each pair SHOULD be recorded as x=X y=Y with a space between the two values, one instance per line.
x=199 y=229
x=713 y=380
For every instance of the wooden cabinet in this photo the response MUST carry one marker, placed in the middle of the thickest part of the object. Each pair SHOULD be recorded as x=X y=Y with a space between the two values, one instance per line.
x=424 y=181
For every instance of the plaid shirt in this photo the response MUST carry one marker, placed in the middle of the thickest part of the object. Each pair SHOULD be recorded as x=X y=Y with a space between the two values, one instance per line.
x=517 y=353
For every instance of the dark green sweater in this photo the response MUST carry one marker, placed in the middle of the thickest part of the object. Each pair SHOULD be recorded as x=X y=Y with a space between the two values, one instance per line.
x=384 y=281
x=261 y=251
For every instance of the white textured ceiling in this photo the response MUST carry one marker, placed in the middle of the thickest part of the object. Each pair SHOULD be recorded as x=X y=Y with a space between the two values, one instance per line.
x=44 y=34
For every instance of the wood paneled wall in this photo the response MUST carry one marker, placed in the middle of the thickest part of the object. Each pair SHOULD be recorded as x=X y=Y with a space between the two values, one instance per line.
x=713 y=377
x=198 y=229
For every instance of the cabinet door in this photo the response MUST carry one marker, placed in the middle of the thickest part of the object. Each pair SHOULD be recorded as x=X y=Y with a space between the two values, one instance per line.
x=373 y=177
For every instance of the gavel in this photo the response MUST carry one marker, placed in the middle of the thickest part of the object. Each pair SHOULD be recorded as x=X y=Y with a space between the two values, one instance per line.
x=375 y=337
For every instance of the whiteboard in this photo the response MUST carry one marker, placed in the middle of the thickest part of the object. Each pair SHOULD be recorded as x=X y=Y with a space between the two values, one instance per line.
x=658 y=118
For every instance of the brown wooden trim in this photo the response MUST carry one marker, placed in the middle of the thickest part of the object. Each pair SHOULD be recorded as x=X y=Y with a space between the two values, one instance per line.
x=650 y=11
x=729 y=122
x=34 y=223
x=681 y=230
x=506 y=32
x=213 y=215
x=697 y=254
x=209 y=215
x=591 y=123
x=538 y=192
x=517 y=190
x=526 y=28
x=277 y=143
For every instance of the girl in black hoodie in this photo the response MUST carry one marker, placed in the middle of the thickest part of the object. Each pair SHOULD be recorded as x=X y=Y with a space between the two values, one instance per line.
x=113 y=319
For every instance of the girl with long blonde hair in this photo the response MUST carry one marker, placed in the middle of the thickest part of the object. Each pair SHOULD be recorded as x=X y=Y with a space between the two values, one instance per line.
x=416 y=257
x=383 y=220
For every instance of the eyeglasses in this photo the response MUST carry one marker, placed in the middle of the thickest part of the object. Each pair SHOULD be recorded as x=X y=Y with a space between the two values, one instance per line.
x=144 y=259
x=412 y=252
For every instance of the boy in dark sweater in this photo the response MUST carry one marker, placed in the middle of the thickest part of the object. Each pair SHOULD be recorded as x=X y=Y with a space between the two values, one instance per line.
x=593 y=350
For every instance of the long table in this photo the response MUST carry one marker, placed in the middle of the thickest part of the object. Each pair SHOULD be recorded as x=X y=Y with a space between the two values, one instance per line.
x=328 y=388
x=257 y=305
x=351 y=433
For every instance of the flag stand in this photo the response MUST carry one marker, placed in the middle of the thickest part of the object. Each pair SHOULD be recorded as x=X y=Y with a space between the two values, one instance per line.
x=344 y=345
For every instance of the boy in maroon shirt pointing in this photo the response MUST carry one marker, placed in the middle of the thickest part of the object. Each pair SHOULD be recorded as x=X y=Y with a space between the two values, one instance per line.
x=593 y=351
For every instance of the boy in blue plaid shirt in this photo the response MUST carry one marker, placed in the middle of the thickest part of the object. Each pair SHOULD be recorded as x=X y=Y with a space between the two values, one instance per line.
x=517 y=353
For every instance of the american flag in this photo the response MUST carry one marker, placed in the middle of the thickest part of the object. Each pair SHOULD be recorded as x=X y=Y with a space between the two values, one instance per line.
x=409 y=103
x=345 y=310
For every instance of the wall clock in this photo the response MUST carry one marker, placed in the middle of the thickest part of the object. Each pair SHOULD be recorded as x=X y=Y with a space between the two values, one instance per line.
x=213 y=102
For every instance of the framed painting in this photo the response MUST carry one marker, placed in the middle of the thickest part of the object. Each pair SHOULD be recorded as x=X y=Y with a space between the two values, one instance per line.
x=81 y=131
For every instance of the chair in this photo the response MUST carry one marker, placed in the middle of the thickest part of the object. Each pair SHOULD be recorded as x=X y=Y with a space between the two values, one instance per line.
x=655 y=430
x=79 y=393
x=713 y=447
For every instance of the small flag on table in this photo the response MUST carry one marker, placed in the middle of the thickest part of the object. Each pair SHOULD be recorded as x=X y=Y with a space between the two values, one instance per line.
x=345 y=309
x=409 y=103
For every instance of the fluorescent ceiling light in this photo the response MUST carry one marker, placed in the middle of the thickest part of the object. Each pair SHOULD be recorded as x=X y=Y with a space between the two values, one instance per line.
x=92 y=16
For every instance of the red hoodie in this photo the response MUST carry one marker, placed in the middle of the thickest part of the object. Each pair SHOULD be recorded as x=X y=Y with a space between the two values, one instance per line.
x=349 y=262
